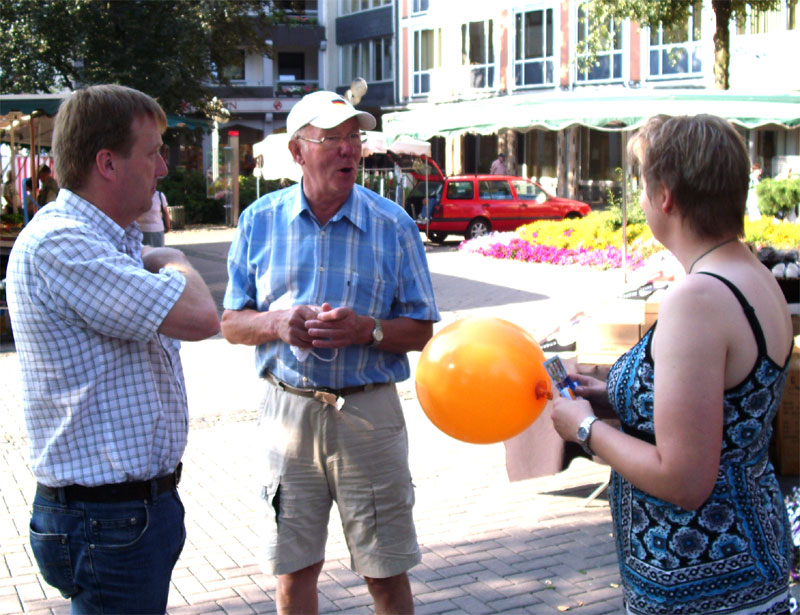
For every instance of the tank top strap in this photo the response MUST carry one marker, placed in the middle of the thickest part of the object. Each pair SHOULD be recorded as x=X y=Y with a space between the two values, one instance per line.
x=749 y=312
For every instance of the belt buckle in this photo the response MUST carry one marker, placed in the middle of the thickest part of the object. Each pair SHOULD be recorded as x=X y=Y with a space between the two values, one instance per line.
x=332 y=399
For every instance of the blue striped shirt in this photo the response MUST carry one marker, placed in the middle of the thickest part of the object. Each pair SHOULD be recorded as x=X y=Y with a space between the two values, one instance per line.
x=103 y=392
x=369 y=256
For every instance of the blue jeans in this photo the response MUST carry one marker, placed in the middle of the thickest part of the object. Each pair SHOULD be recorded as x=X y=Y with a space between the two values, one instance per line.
x=109 y=557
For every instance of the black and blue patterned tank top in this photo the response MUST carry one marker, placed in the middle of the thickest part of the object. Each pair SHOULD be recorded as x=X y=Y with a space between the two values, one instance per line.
x=732 y=555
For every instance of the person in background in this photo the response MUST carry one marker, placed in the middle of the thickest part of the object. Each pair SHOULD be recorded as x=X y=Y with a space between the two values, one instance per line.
x=753 y=212
x=29 y=206
x=10 y=194
x=699 y=518
x=155 y=222
x=96 y=322
x=499 y=165
x=49 y=190
x=330 y=282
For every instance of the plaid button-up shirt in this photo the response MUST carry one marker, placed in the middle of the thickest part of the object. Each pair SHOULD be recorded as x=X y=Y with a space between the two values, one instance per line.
x=103 y=392
x=369 y=256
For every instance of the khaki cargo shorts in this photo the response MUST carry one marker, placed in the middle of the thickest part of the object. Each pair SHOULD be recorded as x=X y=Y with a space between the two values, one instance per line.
x=313 y=455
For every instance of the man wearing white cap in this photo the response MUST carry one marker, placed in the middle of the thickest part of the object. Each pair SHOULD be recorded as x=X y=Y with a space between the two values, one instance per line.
x=330 y=282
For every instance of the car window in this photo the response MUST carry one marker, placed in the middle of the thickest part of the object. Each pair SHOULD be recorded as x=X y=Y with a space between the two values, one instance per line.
x=460 y=190
x=495 y=189
x=528 y=191
x=419 y=190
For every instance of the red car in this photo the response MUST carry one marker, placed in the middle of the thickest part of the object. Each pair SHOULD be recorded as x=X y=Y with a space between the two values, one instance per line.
x=474 y=205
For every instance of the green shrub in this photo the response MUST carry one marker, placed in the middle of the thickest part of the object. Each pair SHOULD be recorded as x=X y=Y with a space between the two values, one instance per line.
x=778 y=196
x=188 y=188
x=635 y=211
x=247 y=189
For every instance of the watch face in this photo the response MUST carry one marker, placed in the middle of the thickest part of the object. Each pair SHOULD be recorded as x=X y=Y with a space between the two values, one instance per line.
x=582 y=433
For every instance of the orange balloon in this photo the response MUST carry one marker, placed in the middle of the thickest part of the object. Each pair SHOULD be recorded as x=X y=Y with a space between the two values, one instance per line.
x=482 y=380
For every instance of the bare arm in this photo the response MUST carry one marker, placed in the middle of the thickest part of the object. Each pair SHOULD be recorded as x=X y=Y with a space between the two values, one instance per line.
x=308 y=326
x=194 y=315
x=689 y=385
x=251 y=327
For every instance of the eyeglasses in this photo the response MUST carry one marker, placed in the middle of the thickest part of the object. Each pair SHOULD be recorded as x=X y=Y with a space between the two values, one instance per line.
x=355 y=139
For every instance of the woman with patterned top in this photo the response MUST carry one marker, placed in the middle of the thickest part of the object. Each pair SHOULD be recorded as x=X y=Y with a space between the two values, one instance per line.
x=699 y=519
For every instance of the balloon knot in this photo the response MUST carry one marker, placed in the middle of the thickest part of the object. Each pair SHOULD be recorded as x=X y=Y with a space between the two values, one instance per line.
x=543 y=390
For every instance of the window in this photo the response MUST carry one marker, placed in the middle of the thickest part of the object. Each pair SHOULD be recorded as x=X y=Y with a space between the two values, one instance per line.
x=460 y=191
x=494 y=190
x=676 y=51
x=420 y=6
x=608 y=65
x=757 y=21
x=291 y=66
x=427 y=57
x=356 y=6
x=295 y=7
x=534 y=59
x=477 y=51
x=371 y=60
x=527 y=191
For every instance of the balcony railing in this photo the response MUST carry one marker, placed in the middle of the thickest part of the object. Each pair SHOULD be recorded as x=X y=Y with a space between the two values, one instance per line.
x=295 y=89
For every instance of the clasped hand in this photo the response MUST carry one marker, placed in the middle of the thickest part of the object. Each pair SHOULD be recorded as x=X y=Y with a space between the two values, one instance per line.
x=310 y=326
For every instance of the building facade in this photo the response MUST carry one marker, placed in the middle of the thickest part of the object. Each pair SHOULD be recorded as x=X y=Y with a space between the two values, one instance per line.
x=532 y=51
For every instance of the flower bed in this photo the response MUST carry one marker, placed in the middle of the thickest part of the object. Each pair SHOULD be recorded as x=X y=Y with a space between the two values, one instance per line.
x=594 y=242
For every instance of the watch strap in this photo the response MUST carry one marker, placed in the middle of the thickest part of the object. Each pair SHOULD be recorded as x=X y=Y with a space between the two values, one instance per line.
x=586 y=427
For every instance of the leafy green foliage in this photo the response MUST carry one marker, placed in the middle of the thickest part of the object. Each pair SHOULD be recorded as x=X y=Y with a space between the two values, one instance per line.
x=170 y=49
x=778 y=196
x=635 y=213
x=188 y=189
x=247 y=189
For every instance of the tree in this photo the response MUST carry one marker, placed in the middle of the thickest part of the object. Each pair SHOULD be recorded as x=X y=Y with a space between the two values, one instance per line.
x=174 y=50
x=671 y=13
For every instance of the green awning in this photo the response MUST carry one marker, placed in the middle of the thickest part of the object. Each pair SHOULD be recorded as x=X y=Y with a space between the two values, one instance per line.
x=14 y=105
x=600 y=109
x=179 y=121
x=28 y=103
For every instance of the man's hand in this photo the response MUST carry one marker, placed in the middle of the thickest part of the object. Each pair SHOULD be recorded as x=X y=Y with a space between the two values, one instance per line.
x=156 y=258
x=338 y=327
x=194 y=316
x=292 y=328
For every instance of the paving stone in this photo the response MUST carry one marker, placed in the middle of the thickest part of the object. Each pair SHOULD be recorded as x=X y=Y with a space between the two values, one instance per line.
x=488 y=545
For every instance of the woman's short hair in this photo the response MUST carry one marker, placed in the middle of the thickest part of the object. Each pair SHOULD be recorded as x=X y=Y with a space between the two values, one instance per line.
x=704 y=163
x=96 y=118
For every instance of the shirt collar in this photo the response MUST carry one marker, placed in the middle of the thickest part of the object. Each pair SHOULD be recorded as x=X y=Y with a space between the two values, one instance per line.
x=129 y=239
x=350 y=209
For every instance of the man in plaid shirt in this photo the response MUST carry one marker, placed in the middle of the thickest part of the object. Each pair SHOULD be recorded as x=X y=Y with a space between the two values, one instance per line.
x=96 y=321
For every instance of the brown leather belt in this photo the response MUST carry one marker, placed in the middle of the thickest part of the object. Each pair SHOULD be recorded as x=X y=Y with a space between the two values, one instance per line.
x=334 y=397
x=117 y=492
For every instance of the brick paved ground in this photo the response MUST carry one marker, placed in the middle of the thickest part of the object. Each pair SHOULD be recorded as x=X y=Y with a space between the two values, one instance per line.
x=489 y=546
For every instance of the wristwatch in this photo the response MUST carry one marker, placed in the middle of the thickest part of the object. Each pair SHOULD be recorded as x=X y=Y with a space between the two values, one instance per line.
x=585 y=432
x=377 y=333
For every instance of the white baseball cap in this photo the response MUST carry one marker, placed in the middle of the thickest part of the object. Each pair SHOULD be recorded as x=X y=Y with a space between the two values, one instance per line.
x=325 y=110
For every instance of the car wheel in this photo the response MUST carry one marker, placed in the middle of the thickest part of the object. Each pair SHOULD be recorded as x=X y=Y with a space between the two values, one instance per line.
x=437 y=236
x=573 y=215
x=478 y=228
